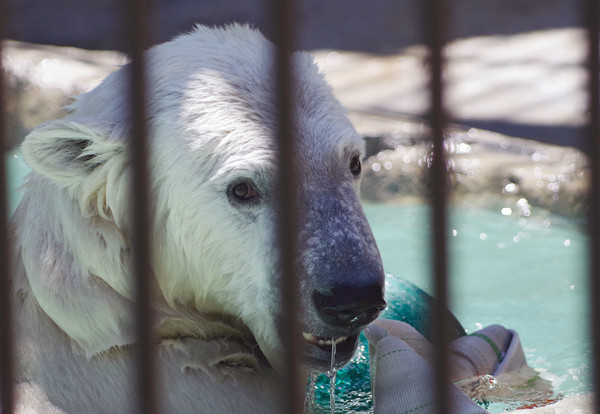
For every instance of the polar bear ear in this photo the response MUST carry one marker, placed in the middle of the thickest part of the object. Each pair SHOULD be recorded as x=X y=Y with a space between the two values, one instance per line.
x=67 y=152
x=80 y=159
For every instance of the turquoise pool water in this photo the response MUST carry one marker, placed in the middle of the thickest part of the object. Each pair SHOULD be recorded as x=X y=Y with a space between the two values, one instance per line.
x=16 y=170
x=526 y=273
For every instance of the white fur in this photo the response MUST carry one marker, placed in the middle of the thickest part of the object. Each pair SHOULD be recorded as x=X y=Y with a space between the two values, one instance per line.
x=212 y=121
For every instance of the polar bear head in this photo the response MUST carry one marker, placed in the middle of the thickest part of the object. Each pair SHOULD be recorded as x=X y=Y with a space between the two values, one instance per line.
x=212 y=126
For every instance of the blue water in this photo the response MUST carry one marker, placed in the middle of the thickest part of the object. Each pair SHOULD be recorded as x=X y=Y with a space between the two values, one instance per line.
x=526 y=273
x=16 y=170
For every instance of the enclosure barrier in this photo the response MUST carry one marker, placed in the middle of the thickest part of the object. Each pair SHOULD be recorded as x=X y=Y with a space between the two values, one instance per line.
x=6 y=348
x=435 y=21
x=282 y=21
x=592 y=22
x=136 y=14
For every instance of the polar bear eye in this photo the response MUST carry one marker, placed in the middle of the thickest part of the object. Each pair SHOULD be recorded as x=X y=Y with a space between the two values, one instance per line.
x=355 y=166
x=244 y=191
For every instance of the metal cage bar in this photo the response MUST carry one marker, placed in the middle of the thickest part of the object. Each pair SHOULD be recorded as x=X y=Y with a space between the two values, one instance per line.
x=282 y=17
x=136 y=13
x=436 y=38
x=592 y=15
x=6 y=340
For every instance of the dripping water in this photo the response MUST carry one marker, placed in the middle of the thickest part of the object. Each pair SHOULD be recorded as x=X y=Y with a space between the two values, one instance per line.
x=331 y=375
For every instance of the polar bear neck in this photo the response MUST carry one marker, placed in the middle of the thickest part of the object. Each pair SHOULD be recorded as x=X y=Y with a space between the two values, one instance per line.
x=88 y=299
x=102 y=321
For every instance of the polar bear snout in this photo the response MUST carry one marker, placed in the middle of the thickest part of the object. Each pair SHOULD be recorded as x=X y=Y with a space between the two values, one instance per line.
x=349 y=305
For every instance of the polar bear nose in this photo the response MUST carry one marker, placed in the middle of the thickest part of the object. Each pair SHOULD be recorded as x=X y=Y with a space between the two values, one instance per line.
x=349 y=305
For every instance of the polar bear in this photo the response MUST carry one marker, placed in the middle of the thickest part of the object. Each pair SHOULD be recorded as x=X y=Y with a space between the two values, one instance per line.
x=213 y=163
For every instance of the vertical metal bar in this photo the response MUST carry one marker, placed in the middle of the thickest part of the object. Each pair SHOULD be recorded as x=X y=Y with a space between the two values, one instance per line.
x=436 y=16
x=6 y=345
x=592 y=15
x=136 y=12
x=283 y=24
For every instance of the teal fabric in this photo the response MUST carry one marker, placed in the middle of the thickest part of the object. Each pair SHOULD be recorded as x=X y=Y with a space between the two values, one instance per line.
x=411 y=304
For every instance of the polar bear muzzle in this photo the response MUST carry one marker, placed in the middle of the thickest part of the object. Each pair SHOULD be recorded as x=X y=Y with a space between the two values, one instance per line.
x=343 y=276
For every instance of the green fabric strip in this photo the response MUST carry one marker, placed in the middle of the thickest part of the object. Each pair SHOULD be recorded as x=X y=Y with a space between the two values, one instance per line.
x=492 y=344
